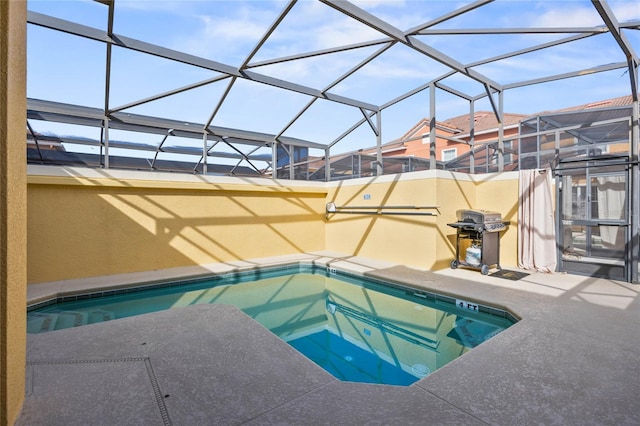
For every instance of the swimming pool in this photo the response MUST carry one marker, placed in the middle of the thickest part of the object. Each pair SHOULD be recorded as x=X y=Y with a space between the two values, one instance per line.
x=357 y=329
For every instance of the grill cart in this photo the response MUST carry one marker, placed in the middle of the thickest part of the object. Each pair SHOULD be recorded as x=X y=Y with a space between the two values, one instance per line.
x=479 y=232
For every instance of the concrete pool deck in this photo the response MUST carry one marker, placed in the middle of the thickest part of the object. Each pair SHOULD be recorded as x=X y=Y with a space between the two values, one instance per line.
x=574 y=358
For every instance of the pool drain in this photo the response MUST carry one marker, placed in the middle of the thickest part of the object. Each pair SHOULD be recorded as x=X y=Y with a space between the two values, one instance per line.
x=420 y=370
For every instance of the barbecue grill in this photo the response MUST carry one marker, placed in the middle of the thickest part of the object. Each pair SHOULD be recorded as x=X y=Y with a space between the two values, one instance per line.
x=479 y=231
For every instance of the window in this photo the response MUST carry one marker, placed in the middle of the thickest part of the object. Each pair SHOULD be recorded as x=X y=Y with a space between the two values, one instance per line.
x=449 y=154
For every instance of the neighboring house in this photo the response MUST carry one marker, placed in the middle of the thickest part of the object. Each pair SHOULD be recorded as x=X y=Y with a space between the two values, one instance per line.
x=485 y=130
x=453 y=139
x=586 y=116
x=453 y=143
x=415 y=142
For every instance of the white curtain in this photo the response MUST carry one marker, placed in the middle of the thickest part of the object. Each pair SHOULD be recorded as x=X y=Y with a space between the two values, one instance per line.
x=536 y=229
x=611 y=195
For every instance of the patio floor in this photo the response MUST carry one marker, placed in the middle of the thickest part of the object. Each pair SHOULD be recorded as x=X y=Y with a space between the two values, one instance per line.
x=574 y=358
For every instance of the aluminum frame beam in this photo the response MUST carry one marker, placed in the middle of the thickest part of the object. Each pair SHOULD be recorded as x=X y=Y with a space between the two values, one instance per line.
x=385 y=28
x=93 y=117
x=337 y=81
x=593 y=70
x=35 y=139
x=633 y=62
x=195 y=151
x=170 y=93
x=482 y=31
x=322 y=52
x=270 y=31
x=113 y=118
x=446 y=17
x=163 y=52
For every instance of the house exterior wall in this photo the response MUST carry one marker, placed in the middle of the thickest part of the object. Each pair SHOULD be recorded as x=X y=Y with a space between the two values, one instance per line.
x=461 y=148
x=419 y=145
x=13 y=223
x=419 y=148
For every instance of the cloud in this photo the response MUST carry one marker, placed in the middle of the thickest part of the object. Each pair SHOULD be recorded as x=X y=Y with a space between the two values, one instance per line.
x=567 y=14
x=226 y=31
x=244 y=26
x=319 y=27
x=372 y=4
x=625 y=10
x=175 y=7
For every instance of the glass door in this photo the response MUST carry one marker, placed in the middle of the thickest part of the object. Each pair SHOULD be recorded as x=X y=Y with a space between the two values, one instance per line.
x=594 y=219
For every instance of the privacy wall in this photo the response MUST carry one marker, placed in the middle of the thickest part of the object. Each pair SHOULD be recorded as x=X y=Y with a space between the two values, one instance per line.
x=424 y=242
x=86 y=223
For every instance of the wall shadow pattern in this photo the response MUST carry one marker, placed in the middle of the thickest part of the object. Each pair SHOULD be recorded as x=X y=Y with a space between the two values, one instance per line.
x=93 y=230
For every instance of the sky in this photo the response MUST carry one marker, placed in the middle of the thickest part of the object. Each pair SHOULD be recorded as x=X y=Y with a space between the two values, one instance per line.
x=68 y=69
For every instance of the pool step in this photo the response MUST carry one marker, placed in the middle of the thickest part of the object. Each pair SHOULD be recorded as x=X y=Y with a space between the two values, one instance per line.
x=100 y=315
x=68 y=319
x=78 y=318
x=43 y=322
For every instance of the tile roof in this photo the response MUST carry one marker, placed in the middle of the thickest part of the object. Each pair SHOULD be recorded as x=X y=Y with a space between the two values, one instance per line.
x=486 y=120
x=607 y=103
x=424 y=122
x=483 y=120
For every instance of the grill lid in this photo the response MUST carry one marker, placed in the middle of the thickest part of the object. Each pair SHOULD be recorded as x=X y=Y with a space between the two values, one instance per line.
x=478 y=216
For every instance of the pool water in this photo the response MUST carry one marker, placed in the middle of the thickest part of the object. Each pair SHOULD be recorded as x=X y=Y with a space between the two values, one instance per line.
x=348 y=361
x=357 y=329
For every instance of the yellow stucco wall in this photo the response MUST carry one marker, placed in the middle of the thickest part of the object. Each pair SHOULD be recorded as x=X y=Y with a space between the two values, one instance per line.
x=399 y=239
x=499 y=192
x=419 y=241
x=83 y=225
x=12 y=208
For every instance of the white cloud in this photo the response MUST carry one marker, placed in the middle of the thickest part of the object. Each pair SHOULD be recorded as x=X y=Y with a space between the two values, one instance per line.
x=344 y=32
x=375 y=4
x=570 y=14
x=567 y=15
x=372 y=4
x=244 y=26
x=625 y=10
x=321 y=27
x=171 y=6
x=224 y=30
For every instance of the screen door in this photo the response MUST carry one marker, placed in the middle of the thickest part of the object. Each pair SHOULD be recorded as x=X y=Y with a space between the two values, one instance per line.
x=593 y=220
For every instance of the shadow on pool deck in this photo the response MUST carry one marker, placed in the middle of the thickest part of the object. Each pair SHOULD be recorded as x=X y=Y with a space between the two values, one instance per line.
x=573 y=359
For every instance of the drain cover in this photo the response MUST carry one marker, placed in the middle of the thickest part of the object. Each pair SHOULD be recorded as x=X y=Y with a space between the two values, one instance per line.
x=420 y=370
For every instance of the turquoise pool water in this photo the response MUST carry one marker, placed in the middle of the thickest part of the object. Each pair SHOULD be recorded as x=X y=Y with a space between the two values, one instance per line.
x=357 y=329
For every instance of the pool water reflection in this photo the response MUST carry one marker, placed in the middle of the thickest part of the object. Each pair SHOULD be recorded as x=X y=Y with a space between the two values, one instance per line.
x=356 y=329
